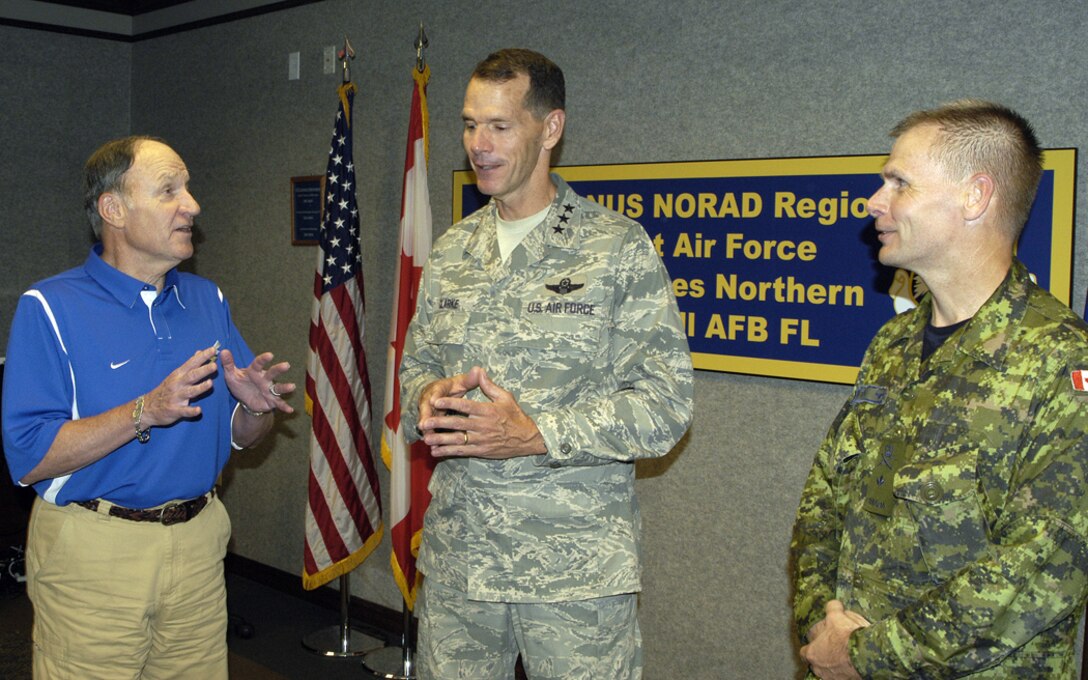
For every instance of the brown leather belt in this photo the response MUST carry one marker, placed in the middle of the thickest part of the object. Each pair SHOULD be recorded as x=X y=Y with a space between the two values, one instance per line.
x=171 y=513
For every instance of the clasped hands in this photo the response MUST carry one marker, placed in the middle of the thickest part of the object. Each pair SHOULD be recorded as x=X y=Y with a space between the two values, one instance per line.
x=454 y=426
x=170 y=401
x=828 y=652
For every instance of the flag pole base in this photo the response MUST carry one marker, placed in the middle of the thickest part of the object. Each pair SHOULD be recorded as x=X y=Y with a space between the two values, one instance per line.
x=342 y=640
x=391 y=663
x=336 y=642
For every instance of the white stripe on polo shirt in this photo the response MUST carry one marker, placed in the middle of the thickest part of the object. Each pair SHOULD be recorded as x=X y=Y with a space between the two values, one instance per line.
x=58 y=482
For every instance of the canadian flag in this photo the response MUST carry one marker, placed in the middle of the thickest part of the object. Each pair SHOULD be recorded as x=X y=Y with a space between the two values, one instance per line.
x=410 y=465
x=1080 y=380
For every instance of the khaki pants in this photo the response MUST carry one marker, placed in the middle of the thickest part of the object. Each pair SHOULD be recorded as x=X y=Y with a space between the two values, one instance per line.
x=117 y=599
x=464 y=639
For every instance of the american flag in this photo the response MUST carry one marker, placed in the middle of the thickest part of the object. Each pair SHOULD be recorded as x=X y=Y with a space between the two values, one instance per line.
x=343 y=512
x=410 y=466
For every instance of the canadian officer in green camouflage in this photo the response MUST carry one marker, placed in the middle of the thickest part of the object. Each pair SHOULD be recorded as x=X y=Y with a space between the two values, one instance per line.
x=546 y=355
x=943 y=529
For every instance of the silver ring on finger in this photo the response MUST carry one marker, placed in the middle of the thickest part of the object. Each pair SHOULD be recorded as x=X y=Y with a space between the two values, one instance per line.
x=272 y=389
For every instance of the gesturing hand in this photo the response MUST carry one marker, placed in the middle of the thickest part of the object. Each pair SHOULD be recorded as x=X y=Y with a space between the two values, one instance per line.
x=169 y=402
x=255 y=385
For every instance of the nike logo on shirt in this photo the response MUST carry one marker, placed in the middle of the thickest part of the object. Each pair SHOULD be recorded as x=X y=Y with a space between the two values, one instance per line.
x=119 y=364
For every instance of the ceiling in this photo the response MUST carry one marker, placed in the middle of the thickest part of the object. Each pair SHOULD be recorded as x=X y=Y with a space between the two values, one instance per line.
x=128 y=7
x=131 y=20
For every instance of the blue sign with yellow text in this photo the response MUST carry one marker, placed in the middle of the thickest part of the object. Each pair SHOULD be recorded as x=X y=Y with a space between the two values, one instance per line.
x=774 y=261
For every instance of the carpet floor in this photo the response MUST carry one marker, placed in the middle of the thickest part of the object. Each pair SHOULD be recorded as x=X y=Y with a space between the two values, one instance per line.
x=274 y=651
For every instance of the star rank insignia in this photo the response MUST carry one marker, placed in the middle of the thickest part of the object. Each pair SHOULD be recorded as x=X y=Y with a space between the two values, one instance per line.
x=564 y=218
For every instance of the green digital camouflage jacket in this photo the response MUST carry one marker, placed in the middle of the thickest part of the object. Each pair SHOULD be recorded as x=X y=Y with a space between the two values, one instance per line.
x=948 y=503
x=581 y=325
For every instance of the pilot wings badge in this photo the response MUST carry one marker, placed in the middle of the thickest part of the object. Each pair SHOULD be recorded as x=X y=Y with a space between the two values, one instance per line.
x=565 y=284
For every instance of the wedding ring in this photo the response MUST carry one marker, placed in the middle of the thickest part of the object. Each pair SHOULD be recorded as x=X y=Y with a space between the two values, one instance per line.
x=272 y=389
x=465 y=432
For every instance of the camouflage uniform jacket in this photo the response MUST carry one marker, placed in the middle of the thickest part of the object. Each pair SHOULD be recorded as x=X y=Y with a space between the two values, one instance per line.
x=978 y=566
x=581 y=326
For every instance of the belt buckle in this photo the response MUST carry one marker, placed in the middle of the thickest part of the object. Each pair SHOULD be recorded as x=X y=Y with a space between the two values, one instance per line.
x=174 y=513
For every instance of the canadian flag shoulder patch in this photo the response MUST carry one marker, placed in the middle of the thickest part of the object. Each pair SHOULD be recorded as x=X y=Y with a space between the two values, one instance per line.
x=1080 y=380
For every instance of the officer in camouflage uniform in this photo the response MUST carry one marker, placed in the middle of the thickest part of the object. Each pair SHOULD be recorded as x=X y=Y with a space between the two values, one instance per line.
x=546 y=355
x=942 y=530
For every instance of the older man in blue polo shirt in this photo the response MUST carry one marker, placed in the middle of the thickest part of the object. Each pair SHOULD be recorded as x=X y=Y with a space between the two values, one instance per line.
x=124 y=395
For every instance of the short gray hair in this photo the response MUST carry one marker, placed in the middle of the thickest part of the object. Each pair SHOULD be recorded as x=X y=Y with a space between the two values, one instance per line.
x=105 y=171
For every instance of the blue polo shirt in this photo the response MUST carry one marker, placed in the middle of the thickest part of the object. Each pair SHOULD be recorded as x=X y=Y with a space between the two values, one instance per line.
x=86 y=340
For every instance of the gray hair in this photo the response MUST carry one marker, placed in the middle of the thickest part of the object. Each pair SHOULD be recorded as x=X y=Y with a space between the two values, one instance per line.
x=105 y=171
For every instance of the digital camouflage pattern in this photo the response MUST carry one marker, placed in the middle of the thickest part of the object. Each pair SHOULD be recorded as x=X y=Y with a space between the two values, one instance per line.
x=596 y=639
x=977 y=566
x=581 y=326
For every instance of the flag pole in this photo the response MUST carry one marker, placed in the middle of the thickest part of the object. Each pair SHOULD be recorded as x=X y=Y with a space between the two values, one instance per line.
x=337 y=641
x=340 y=451
x=394 y=662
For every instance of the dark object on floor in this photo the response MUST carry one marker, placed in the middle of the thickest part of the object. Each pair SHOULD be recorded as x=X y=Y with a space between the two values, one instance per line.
x=239 y=626
x=12 y=571
x=15 y=504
